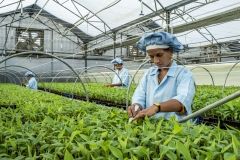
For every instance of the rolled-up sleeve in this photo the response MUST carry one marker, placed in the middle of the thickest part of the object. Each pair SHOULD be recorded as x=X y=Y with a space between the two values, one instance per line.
x=185 y=91
x=139 y=95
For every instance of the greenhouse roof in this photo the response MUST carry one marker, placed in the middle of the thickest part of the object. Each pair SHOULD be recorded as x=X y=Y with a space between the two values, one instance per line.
x=195 y=22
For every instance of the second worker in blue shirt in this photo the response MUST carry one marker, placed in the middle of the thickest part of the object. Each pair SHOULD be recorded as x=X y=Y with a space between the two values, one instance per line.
x=121 y=77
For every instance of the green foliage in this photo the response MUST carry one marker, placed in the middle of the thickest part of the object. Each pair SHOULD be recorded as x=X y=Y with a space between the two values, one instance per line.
x=47 y=126
x=205 y=95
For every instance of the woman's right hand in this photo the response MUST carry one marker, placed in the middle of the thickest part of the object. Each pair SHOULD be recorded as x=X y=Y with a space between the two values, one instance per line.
x=132 y=112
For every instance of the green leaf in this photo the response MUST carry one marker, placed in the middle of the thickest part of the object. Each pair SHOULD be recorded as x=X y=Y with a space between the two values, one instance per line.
x=159 y=125
x=86 y=138
x=183 y=150
x=74 y=134
x=116 y=152
x=235 y=143
x=68 y=156
x=119 y=132
x=163 y=150
x=83 y=150
x=49 y=120
x=196 y=131
x=187 y=143
x=168 y=140
x=105 y=145
x=47 y=155
x=140 y=151
x=148 y=123
x=29 y=151
x=19 y=157
x=226 y=148
x=171 y=155
x=148 y=137
x=123 y=143
x=145 y=128
x=60 y=135
x=112 y=115
x=177 y=128
x=129 y=129
x=13 y=143
x=197 y=140
x=229 y=156
x=36 y=140
x=104 y=134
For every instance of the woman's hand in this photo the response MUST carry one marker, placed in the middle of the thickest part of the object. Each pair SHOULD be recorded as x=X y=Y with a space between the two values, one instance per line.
x=107 y=85
x=23 y=84
x=146 y=112
x=132 y=112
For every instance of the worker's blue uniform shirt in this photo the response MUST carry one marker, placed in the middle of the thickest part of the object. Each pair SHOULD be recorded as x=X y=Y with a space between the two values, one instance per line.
x=124 y=76
x=32 y=84
x=177 y=84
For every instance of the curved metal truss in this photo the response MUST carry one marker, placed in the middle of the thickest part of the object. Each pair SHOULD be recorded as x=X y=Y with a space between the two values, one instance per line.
x=42 y=53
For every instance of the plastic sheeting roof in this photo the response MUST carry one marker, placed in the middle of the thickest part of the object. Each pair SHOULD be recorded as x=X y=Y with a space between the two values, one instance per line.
x=111 y=14
x=216 y=33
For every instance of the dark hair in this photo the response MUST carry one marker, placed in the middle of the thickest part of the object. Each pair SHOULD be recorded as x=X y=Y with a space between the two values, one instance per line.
x=169 y=49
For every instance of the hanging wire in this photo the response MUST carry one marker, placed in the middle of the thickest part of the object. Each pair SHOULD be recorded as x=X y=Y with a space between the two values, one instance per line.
x=21 y=15
x=141 y=13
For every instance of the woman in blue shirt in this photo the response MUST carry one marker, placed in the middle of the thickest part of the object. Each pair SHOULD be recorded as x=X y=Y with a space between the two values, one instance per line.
x=121 y=73
x=32 y=83
x=166 y=89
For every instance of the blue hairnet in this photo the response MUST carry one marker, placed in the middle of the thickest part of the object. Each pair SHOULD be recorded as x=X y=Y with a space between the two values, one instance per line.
x=159 y=38
x=29 y=73
x=117 y=60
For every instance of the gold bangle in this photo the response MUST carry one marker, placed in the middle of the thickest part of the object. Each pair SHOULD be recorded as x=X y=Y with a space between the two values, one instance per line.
x=183 y=110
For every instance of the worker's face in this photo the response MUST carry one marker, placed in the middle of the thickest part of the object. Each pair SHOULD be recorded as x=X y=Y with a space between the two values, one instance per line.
x=28 y=77
x=161 y=57
x=118 y=66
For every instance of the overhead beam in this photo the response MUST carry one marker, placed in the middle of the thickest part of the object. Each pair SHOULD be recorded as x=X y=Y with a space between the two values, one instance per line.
x=151 y=15
x=222 y=17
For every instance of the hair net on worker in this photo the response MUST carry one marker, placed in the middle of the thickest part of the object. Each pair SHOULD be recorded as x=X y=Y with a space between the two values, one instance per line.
x=29 y=73
x=117 y=61
x=156 y=40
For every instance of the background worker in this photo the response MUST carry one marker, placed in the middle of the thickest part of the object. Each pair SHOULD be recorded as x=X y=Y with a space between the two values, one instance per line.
x=32 y=82
x=121 y=73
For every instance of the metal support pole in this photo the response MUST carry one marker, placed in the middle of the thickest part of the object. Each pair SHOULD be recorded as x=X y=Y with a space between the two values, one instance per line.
x=211 y=106
x=219 y=53
x=5 y=53
x=121 y=45
x=85 y=55
x=168 y=21
x=52 y=58
x=114 y=45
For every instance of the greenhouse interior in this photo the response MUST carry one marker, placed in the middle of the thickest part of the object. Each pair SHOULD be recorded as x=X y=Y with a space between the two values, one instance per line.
x=119 y=79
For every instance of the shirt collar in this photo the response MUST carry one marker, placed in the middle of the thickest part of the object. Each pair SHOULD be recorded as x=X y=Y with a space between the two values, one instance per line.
x=171 y=71
x=120 y=70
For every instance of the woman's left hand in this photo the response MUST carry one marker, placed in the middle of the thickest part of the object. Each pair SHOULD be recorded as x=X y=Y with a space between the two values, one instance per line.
x=146 y=112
